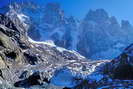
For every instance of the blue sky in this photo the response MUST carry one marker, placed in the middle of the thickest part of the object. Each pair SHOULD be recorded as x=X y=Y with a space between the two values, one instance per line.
x=122 y=9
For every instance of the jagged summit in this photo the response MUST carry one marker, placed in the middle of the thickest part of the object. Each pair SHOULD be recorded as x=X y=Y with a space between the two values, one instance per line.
x=99 y=16
x=125 y=24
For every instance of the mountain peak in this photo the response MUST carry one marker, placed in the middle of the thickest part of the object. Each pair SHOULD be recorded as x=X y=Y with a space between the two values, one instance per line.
x=53 y=6
x=125 y=24
x=98 y=15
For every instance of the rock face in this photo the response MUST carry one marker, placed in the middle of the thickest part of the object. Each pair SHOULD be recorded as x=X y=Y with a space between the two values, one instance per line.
x=95 y=37
x=10 y=38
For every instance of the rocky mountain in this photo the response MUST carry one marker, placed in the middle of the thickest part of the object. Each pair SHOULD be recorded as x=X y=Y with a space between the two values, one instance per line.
x=97 y=36
x=29 y=64
x=103 y=35
x=25 y=63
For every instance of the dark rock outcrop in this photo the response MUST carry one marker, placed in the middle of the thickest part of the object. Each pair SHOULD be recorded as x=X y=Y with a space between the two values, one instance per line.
x=122 y=66
x=32 y=80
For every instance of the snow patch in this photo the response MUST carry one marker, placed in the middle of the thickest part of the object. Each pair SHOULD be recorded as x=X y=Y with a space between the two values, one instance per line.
x=48 y=42
x=22 y=17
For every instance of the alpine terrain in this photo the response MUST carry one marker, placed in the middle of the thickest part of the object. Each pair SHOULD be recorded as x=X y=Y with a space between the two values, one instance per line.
x=42 y=48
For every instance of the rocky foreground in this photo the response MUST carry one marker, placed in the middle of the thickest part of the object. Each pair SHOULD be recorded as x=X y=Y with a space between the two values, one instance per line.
x=25 y=63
